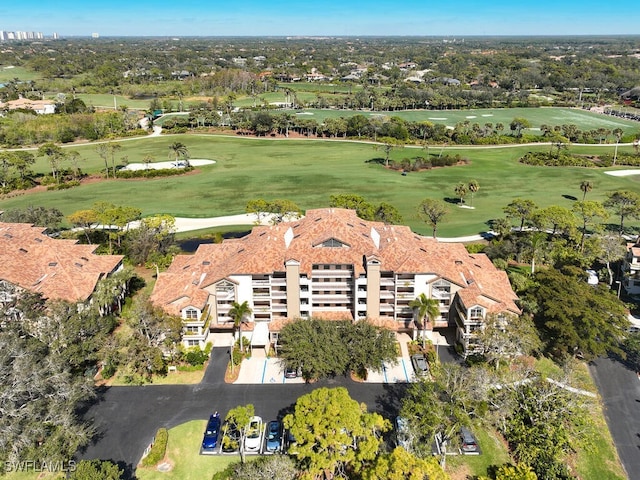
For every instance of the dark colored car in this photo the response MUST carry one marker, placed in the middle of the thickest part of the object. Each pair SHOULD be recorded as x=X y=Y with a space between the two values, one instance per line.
x=468 y=443
x=420 y=364
x=290 y=372
x=230 y=438
x=274 y=436
x=210 y=439
x=291 y=443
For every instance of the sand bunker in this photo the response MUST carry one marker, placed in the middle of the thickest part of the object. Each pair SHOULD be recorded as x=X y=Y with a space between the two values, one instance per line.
x=161 y=165
x=623 y=173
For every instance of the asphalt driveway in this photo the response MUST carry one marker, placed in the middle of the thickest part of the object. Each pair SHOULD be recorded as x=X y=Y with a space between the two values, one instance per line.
x=127 y=418
x=619 y=388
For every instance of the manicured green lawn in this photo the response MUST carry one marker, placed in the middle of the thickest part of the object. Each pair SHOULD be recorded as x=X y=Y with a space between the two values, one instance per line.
x=537 y=116
x=600 y=460
x=308 y=172
x=183 y=451
x=106 y=100
x=8 y=73
x=494 y=452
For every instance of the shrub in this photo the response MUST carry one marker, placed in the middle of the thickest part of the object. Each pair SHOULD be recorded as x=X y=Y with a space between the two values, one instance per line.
x=109 y=370
x=158 y=449
x=64 y=186
x=195 y=356
x=152 y=172
x=237 y=356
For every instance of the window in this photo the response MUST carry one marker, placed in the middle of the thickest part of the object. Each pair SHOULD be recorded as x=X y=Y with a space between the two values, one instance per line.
x=193 y=343
x=333 y=243
x=191 y=314
x=476 y=312
x=191 y=329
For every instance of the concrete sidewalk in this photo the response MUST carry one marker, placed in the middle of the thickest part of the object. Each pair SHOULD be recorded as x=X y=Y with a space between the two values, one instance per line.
x=261 y=369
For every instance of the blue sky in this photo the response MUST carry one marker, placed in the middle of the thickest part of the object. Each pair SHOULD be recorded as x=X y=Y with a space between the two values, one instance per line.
x=325 y=17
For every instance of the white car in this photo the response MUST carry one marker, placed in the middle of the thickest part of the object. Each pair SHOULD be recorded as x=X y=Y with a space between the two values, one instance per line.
x=253 y=435
x=402 y=433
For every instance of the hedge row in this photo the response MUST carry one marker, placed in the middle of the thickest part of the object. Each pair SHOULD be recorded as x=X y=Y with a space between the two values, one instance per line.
x=152 y=172
x=158 y=449
x=568 y=160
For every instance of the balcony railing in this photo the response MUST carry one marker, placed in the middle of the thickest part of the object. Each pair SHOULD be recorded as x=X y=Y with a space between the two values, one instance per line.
x=440 y=294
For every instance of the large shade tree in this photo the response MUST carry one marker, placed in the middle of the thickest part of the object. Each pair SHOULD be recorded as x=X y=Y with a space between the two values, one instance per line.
x=624 y=204
x=520 y=209
x=432 y=211
x=573 y=318
x=334 y=433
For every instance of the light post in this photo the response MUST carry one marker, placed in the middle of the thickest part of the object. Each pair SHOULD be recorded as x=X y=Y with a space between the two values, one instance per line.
x=619 y=287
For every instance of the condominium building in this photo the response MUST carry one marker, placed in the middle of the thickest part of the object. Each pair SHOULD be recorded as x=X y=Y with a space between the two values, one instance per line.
x=59 y=269
x=333 y=265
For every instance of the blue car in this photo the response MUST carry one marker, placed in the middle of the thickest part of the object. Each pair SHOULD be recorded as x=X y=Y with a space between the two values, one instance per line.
x=274 y=436
x=210 y=439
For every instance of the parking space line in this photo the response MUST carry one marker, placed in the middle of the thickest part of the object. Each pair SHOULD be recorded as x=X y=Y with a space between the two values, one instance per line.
x=384 y=372
x=264 y=370
x=404 y=367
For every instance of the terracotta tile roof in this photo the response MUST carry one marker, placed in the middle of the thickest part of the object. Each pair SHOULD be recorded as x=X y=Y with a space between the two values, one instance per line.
x=59 y=269
x=266 y=249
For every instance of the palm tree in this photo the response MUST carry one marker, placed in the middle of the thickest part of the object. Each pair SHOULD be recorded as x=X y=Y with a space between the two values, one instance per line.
x=536 y=243
x=425 y=308
x=585 y=186
x=473 y=187
x=237 y=312
x=179 y=150
x=461 y=191
x=618 y=134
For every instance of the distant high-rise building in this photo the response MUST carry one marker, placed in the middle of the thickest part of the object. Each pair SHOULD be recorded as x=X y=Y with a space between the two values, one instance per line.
x=95 y=35
x=21 y=35
x=55 y=36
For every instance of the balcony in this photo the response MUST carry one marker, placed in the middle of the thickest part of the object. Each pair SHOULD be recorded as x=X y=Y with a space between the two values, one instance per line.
x=387 y=307
x=387 y=294
x=332 y=273
x=405 y=296
x=261 y=295
x=440 y=294
x=333 y=308
x=225 y=296
x=336 y=283
x=260 y=283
